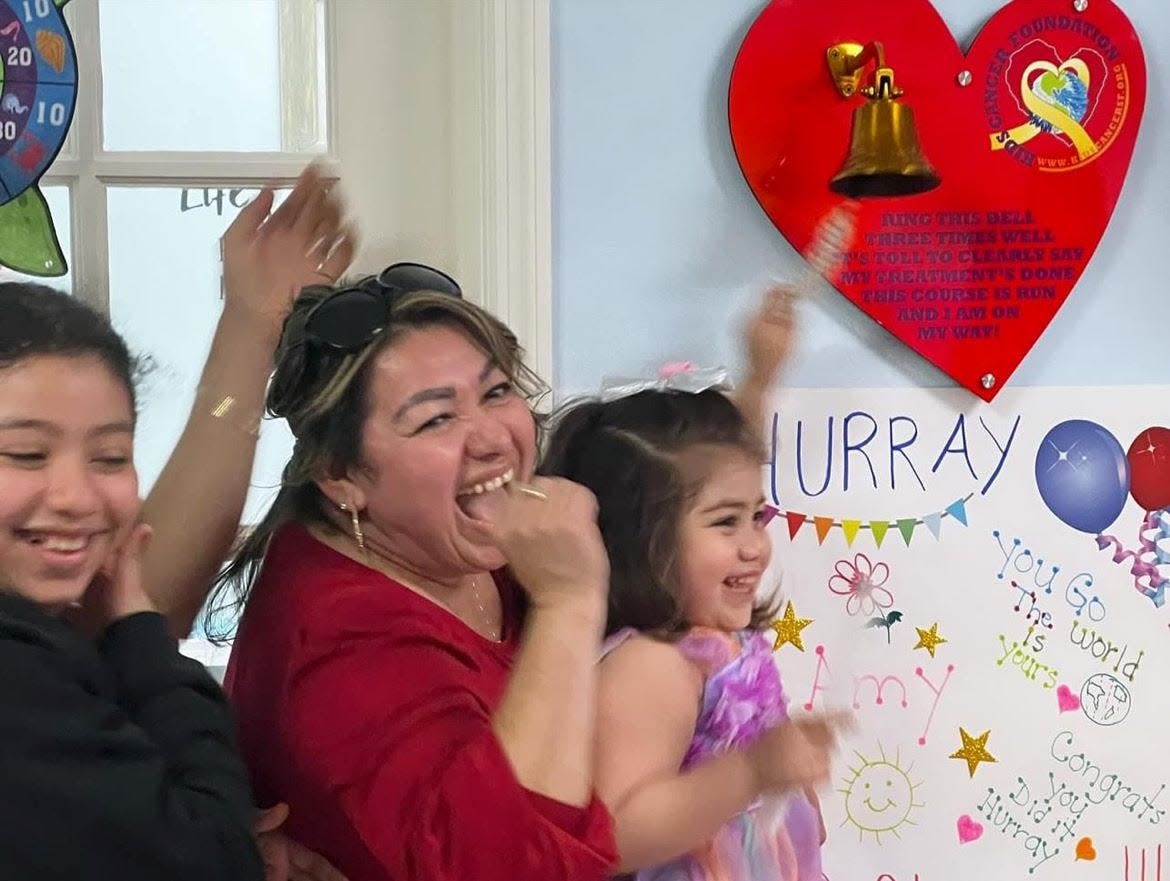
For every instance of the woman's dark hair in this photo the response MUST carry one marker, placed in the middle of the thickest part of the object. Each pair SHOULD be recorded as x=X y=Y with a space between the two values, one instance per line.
x=644 y=457
x=38 y=320
x=324 y=395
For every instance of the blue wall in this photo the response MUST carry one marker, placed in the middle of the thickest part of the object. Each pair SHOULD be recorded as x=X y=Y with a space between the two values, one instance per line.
x=659 y=247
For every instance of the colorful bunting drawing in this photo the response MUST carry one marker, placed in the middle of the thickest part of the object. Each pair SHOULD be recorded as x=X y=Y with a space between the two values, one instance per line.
x=850 y=527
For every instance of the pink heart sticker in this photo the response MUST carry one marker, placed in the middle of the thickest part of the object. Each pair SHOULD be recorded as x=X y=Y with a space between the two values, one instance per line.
x=1066 y=700
x=969 y=830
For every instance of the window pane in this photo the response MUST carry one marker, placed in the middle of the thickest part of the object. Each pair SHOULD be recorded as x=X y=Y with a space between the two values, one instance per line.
x=57 y=198
x=207 y=75
x=165 y=299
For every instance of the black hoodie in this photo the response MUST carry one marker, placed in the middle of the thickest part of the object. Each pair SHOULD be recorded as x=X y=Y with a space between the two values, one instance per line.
x=117 y=758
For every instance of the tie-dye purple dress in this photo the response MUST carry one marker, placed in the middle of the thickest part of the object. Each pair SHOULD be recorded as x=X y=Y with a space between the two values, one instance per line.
x=774 y=839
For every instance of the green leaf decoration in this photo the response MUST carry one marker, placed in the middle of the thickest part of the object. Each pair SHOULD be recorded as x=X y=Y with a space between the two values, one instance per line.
x=28 y=241
x=886 y=621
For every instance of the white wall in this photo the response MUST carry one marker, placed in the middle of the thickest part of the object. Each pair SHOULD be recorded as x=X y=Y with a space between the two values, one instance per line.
x=659 y=245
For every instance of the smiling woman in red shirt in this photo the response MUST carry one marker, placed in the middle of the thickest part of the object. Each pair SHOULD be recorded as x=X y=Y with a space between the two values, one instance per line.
x=414 y=670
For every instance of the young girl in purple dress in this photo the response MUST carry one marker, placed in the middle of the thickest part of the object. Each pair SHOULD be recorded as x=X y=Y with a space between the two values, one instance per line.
x=706 y=776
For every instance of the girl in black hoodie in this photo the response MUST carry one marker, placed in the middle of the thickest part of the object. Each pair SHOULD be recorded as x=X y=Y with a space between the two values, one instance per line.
x=117 y=759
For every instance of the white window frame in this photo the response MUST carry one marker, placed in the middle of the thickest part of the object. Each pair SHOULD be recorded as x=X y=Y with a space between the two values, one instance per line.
x=503 y=196
x=438 y=126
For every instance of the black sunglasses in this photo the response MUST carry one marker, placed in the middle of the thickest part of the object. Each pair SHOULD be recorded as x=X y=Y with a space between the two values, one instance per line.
x=349 y=319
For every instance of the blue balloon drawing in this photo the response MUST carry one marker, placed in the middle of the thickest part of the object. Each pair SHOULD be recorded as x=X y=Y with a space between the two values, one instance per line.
x=1083 y=475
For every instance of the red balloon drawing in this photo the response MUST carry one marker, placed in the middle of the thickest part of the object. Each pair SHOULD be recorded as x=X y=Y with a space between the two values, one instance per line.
x=1149 y=468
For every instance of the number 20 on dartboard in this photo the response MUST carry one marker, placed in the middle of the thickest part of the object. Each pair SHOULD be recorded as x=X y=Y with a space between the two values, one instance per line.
x=38 y=91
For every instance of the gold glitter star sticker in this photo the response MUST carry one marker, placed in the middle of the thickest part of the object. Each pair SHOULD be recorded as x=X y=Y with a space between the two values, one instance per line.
x=929 y=639
x=974 y=750
x=788 y=628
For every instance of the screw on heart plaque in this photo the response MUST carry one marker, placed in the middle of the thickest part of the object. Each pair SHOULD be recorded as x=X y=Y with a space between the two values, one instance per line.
x=1029 y=134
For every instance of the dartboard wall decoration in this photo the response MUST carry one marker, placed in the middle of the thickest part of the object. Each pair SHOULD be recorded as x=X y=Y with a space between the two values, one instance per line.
x=38 y=93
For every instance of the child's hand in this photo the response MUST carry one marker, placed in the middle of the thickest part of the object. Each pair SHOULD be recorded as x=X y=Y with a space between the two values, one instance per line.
x=768 y=339
x=770 y=335
x=797 y=753
x=116 y=591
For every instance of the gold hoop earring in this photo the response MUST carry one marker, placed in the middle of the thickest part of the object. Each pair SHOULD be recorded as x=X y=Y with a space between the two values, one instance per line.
x=356 y=523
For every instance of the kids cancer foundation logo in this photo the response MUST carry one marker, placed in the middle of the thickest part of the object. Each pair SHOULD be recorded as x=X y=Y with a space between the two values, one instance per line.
x=1055 y=110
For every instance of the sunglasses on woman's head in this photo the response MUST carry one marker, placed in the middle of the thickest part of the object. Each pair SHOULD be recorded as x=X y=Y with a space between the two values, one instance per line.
x=349 y=319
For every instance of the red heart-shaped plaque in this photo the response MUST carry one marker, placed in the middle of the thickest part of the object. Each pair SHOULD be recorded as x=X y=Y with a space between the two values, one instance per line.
x=1031 y=132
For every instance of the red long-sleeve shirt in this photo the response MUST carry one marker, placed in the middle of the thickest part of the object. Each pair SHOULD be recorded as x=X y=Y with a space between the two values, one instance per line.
x=368 y=709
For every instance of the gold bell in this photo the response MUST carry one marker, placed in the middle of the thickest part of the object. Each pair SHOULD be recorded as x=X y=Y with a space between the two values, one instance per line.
x=885 y=157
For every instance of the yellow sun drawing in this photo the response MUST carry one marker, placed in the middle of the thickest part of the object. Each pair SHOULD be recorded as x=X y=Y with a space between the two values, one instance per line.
x=879 y=796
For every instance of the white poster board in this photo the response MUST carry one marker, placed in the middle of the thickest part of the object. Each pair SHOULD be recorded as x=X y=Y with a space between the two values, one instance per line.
x=1010 y=716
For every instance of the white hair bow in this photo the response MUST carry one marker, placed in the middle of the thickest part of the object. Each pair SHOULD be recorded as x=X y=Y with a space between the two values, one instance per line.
x=681 y=376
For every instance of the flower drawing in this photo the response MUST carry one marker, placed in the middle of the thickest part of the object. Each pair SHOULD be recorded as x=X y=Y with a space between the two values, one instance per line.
x=862 y=582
